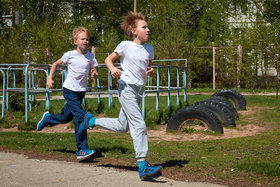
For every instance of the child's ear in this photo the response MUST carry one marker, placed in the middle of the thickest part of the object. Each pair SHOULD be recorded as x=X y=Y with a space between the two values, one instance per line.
x=133 y=31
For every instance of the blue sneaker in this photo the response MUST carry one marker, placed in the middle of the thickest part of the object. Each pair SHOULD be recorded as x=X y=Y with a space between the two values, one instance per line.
x=148 y=170
x=85 y=124
x=84 y=153
x=41 y=123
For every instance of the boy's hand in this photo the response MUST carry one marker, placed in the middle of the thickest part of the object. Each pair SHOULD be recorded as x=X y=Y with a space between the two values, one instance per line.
x=50 y=83
x=116 y=73
x=94 y=73
x=150 y=71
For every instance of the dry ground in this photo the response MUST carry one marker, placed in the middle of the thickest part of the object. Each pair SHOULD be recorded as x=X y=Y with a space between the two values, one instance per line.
x=249 y=129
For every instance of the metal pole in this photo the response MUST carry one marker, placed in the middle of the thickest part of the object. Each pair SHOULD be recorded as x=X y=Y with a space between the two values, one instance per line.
x=143 y=104
x=4 y=91
x=26 y=92
x=185 y=80
x=214 y=72
x=178 y=85
x=169 y=79
x=158 y=81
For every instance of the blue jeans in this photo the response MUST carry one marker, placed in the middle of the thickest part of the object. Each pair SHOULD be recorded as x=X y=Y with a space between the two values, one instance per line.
x=72 y=109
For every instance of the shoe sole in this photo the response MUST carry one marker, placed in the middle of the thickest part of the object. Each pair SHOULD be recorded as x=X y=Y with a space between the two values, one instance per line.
x=151 y=175
x=41 y=121
x=84 y=157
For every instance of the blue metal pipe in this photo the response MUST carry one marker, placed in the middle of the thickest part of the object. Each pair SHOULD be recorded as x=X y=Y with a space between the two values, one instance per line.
x=4 y=92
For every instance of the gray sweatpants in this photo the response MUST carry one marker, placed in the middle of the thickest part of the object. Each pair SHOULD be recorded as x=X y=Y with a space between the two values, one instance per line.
x=130 y=118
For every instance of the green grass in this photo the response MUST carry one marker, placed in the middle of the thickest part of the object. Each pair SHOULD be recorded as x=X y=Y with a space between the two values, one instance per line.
x=244 y=161
x=270 y=167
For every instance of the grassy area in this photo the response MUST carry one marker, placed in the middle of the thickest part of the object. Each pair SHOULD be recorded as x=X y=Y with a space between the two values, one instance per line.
x=244 y=161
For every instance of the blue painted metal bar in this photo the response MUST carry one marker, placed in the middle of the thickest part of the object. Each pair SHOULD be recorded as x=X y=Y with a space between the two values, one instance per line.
x=110 y=96
x=158 y=81
x=3 y=94
x=169 y=78
x=143 y=104
x=29 y=86
x=178 y=86
x=14 y=78
x=98 y=86
x=48 y=97
x=185 y=80
x=26 y=92
x=7 y=95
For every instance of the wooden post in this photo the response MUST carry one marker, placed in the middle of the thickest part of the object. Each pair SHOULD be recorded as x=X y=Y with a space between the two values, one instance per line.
x=25 y=56
x=135 y=5
x=239 y=50
x=277 y=79
x=48 y=55
x=214 y=69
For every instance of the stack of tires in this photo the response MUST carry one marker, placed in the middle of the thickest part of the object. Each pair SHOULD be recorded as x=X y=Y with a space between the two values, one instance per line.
x=211 y=114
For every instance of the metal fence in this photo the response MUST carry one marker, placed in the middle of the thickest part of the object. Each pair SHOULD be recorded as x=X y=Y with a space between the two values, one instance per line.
x=30 y=88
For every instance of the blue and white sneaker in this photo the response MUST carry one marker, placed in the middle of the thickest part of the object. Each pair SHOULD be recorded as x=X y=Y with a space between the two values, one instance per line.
x=41 y=124
x=84 y=153
x=85 y=124
x=149 y=170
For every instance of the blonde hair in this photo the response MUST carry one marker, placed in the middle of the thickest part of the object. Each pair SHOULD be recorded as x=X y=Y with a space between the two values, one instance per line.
x=129 y=22
x=78 y=30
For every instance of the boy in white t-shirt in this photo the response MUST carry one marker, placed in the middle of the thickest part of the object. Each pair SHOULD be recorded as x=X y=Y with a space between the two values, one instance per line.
x=136 y=59
x=79 y=62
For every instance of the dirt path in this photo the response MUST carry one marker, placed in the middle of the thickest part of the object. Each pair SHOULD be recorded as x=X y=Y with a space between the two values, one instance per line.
x=18 y=170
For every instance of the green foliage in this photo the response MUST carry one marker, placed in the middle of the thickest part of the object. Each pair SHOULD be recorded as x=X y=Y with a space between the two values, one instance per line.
x=16 y=101
x=152 y=118
x=176 y=28
x=113 y=111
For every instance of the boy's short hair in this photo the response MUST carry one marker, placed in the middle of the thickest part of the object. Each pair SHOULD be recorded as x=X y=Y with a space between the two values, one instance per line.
x=129 y=22
x=78 y=30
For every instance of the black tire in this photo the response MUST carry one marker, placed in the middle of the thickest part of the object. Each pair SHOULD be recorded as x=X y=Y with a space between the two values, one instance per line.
x=221 y=111
x=238 y=99
x=226 y=102
x=192 y=113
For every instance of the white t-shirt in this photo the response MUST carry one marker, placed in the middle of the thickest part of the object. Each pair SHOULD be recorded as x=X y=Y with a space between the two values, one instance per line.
x=78 y=69
x=134 y=61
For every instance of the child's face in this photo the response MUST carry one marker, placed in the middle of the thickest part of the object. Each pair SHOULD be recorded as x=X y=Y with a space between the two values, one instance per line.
x=81 y=42
x=141 y=31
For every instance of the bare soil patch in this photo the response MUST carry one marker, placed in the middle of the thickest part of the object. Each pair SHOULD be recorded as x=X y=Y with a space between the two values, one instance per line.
x=160 y=133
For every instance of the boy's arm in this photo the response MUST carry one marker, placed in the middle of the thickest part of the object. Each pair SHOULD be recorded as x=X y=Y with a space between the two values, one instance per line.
x=50 y=79
x=115 y=72
x=150 y=71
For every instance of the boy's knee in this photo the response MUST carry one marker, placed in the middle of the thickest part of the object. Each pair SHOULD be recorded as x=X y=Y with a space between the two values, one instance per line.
x=123 y=129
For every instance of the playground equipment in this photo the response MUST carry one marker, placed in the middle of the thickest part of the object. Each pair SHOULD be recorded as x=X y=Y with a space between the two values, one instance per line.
x=210 y=114
x=30 y=89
